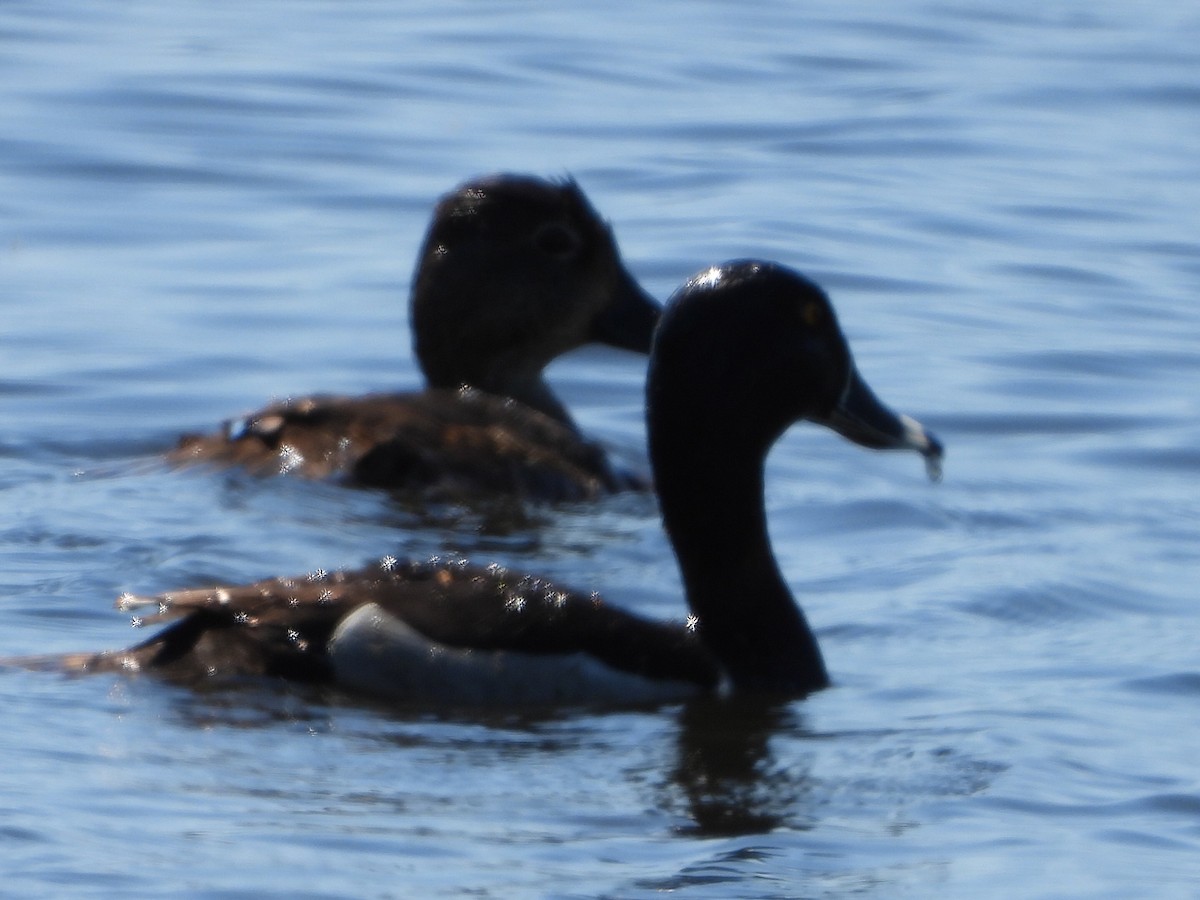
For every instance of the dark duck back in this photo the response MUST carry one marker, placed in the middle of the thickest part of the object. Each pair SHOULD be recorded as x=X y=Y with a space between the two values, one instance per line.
x=514 y=271
x=743 y=351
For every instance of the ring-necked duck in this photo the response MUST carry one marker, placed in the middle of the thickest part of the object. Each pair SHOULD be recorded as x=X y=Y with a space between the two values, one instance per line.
x=743 y=351
x=514 y=271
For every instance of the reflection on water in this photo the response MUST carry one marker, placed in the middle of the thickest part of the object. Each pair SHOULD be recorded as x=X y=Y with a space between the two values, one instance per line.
x=727 y=775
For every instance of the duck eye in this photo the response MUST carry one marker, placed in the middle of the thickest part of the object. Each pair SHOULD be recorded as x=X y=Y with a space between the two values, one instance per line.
x=812 y=314
x=556 y=240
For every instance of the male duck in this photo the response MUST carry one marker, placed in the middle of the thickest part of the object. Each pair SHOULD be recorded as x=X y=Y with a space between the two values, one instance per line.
x=744 y=350
x=514 y=272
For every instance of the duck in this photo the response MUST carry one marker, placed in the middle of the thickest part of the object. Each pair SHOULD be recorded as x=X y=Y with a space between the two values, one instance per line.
x=743 y=350
x=513 y=272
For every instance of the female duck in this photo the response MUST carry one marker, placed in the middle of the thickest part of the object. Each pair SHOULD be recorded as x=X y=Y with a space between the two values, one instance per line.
x=743 y=351
x=514 y=271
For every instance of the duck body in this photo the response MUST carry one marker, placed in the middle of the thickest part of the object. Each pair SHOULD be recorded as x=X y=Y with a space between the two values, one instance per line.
x=403 y=630
x=514 y=271
x=452 y=445
x=743 y=351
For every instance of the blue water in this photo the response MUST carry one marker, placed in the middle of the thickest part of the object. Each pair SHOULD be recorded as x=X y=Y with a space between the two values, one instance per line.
x=203 y=206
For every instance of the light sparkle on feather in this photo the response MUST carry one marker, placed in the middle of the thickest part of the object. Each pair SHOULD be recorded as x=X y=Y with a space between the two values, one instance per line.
x=388 y=563
x=710 y=277
x=289 y=458
x=135 y=622
x=514 y=604
x=691 y=623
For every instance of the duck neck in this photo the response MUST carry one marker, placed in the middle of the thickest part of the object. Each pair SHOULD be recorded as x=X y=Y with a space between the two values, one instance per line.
x=533 y=391
x=713 y=510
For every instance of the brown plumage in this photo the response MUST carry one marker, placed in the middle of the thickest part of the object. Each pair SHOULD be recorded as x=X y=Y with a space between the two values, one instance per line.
x=451 y=445
x=514 y=272
x=283 y=627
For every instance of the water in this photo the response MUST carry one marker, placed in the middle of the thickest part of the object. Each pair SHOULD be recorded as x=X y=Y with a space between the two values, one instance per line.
x=204 y=206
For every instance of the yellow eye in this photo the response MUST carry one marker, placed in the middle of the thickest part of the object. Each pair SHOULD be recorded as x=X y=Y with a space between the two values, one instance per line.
x=812 y=313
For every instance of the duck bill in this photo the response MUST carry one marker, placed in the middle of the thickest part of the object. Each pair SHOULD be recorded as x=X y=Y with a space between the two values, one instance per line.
x=861 y=417
x=629 y=320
